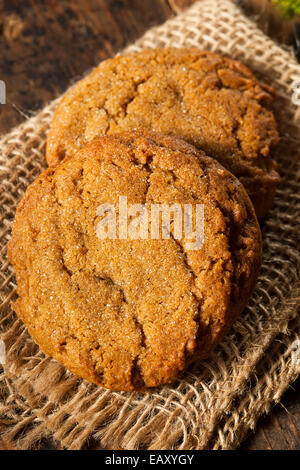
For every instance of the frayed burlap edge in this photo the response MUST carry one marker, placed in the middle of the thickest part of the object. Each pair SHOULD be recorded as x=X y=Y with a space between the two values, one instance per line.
x=214 y=405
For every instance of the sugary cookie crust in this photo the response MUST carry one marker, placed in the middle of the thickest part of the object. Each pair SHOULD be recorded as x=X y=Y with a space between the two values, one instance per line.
x=131 y=314
x=207 y=99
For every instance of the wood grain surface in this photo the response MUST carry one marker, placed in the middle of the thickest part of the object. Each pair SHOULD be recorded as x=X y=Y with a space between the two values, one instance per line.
x=45 y=45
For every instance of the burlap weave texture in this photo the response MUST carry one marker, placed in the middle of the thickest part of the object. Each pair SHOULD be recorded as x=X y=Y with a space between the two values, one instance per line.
x=214 y=405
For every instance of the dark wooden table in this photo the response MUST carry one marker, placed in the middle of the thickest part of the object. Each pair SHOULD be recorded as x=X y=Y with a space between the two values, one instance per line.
x=47 y=44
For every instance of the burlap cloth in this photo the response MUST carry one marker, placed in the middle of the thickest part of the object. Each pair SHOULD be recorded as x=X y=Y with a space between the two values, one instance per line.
x=214 y=405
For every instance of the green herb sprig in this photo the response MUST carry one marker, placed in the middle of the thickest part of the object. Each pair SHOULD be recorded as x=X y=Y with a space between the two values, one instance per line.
x=289 y=8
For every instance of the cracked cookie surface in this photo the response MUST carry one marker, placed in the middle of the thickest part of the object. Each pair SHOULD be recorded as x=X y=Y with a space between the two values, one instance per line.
x=210 y=101
x=132 y=313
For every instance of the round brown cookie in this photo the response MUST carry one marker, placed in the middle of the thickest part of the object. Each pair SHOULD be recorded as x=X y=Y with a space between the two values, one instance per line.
x=130 y=313
x=208 y=100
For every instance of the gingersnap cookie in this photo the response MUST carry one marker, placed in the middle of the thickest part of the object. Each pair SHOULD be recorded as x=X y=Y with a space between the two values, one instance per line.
x=210 y=101
x=133 y=258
